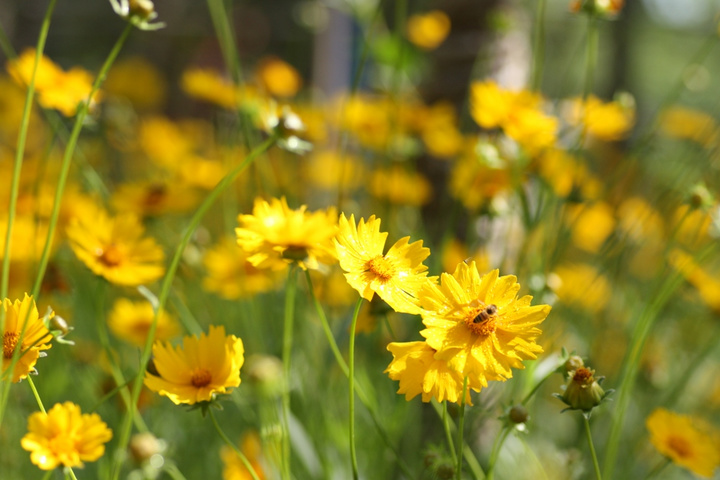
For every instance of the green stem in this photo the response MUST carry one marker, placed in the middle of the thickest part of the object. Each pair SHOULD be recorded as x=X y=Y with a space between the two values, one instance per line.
x=588 y=434
x=351 y=384
x=48 y=474
x=658 y=468
x=290 y=291
x=495 y=452
x=446 y=426
x=591 y=55
x=532 y=392
x=466 y=450
x=232 y=445
x=538 y=46
x=70 y=473
x=679 y=386
x=126 y=426
x=460 y=431
x=36 y=395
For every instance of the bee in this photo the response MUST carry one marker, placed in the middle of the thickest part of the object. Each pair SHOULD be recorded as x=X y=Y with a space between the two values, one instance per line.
x=486 y=314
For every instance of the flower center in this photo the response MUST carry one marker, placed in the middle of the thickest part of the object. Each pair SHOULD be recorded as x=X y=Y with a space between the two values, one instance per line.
x=110 y=256
x=482 y=320
x=679 y=445
x=10 y=340
x=295 y=253
x=154 y=195
x=201 y=378
x=381 y=268
x=583 y=376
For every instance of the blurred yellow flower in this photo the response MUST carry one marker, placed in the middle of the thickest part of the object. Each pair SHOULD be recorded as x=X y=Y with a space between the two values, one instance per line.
x=139 y=81
x=428 y=30
x=609 y=121
x=685 y=440
x=396 y=276
x=478 y=325
x=419 y=372
x=113 y=247
x=203 y=368
x=707 y=285
x=440 y=131
x=234 y=468
x=400 y=186
x=591 y=225
x=368 y=119
x=210 y=86
x=275 y=235
x=455 y=252
x=232 y=276
x=131 y=321
x=689 y=124
x=567 y=175
x=64 y=436
x=21 y=318
x=27 y=240
x=582 y=285
x=475 y=182
x=153 y=198
x=278 y=78
x=327 y=170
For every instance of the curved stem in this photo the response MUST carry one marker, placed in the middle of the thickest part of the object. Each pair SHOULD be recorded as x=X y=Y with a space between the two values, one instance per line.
x=495 y=452
x=446 y=427
x=586 y=421
x=232 y=445
x=351 y=383
x=461 y=426
x=290 y=291
x=126 y=426
x=36 y=395
x=467 y=452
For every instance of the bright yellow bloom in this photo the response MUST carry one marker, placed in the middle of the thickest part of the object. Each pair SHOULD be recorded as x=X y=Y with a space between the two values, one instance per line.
x=684 y=440
x=201 y=369
x=478 y=325
x=131 y=321
x=419 y=372
x=65 y=437
x=396 y=276
x=278 y=78
x=591 y=225
x=274 y=235
x=113 y=247
x=428 y=30
x=609 y=121
x=235 y=469
x=232 y=276
x=21 y=315
x=400 y=186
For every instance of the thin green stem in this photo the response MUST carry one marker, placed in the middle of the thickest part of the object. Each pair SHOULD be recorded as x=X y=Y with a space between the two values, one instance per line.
x=232 y=445
x=495 y=452
x=446 y=427
x=70 y=473
x=351 y=388
x=290 y=290
x=538 y=46
x=679 y=386
x=48 y=474
x=591 y=55
x=588 y=434
x=532 y=392
x=460 y=431
x=657 y=469
x=470 y=459
x=36 y=395
x=126 y=426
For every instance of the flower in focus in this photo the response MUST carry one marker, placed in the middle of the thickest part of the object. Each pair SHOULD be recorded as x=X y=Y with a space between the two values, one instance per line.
x=428 y=30
x=419 y=372
x=684 y=440
x=278 y=78
x=583 y=390
x=275 y=235
x=232 y=276
x=22 y=316
x=201 y=369
x=113 y=248
x=396 y=276
x=609 y=121
x=65 y=436
x=250 y=446
x=131 y=321
x=478 y=325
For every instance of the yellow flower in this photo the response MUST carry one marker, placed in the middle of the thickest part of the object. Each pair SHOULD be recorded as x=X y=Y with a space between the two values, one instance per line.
x=591 y=225
x=419 y=372
x=440 y=131
x=685 y=441
x=274 y=235
x=113 y=247
x=232 y=276
x=368 y=119
x=151 y=198
x=19 y=316
x=396 y=276
x=201 y=369
x=475 y=182
x=327 y=170
x=707 y=285
x=210 y=86
x=65 y=436
x=131 y=321
x=686 y=123
x=428 y=30
x=478 y=325
x=400 y=186
x=234 y=468
x=278 y=78
x=609 y=121
x=582 y=285
x=139 y=81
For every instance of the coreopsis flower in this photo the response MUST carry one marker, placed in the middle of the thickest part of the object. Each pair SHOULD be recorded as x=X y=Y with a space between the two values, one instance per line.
x=131 y=322
x=420 y=373
x=232 y=276
x=153 y=198
x=22 y=316
x=428 y=30
x=64 y=436
x=326 y=169
x=400 y=186
x=583 y=390
x=477 y=178
x=705 y=282
x=139 y=81
x=478 y=325
x=234 y=468
x=591 y=225
x=199 y=370
x=395 y=276
x=580 y=284
x=114 y=247
x=278 y=78
x=685 y=123
x=274 y=235
x=685 y=440
x=211 y=86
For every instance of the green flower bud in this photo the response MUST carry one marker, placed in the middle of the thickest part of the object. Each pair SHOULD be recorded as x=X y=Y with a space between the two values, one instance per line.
x=583 y=390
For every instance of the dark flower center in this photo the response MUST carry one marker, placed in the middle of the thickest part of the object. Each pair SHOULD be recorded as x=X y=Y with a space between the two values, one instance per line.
x=10 y=340
x=201 y=378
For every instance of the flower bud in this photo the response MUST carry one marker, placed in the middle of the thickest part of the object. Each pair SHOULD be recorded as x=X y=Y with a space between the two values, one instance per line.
x=583 y=391
x=518 y=414
x=144 y=445
x=598 y=7
x=143 y=9
x=573 y=363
